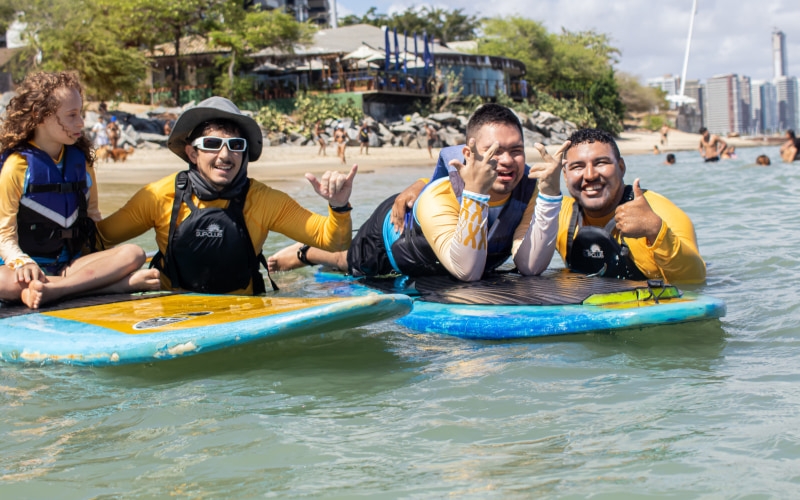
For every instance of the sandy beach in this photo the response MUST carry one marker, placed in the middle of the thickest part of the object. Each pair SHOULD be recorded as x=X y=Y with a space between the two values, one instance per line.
x=287 y=164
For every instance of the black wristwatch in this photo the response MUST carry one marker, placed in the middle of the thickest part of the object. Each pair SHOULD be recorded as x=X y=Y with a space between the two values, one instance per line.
x=301 y=255
x=341 y=210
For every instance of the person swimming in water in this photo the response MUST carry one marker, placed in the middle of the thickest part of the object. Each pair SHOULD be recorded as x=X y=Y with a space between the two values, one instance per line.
x=711 y=146
x=790 y=150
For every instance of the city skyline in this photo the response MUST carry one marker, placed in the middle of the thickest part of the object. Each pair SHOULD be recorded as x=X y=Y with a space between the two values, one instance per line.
x=731 y=36
x=737 y=103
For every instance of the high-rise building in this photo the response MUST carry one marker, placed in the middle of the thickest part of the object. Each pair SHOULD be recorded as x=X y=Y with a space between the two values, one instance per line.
x=696 y=91
x=297 y=8
x=319 y=12
x=779 y=66
x=765 y=107
x=797 y=103
x=690 y=116
x=670 y=84
x=723 y=106
x=786 y=97
x=745 y=105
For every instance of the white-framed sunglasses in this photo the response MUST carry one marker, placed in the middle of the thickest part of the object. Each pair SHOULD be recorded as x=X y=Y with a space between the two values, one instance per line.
x=209 y=143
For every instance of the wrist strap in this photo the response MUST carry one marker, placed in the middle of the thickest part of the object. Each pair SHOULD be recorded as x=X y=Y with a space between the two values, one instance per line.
x=301 y=255
x=341 y=210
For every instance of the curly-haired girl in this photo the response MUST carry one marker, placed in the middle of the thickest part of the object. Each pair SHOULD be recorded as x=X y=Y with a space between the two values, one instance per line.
x=48 y=201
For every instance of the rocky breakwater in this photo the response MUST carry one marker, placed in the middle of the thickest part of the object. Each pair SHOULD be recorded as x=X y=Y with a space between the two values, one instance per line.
x=410 y=132
x=145 y=130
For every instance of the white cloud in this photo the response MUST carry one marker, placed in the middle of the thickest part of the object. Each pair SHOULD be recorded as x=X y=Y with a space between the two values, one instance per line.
x=730 y=36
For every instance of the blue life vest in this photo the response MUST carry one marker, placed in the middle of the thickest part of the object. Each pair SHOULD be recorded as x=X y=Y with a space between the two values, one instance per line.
x=53 y=224
x=413 y=254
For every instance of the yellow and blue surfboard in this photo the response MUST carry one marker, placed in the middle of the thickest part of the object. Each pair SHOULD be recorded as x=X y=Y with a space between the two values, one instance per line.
x=156 y=326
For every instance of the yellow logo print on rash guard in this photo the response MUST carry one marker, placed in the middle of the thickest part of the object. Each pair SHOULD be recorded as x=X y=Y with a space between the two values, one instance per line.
x=471 y=221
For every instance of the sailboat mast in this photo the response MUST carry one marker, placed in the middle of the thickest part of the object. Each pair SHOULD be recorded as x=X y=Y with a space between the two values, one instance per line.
x=688 y=46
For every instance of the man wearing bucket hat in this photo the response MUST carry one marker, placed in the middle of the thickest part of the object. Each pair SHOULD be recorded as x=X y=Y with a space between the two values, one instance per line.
x=211 y=220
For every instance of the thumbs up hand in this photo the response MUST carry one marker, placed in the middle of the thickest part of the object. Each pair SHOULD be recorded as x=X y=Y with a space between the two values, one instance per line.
x=635 y=219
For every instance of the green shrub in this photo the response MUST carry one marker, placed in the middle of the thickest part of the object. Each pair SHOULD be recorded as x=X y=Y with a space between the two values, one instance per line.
x=566 y=109
x=655 y=122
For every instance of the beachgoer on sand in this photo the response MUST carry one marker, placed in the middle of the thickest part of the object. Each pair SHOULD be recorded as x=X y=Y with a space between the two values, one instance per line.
x=363 y=137
x=320 y=139
x=112 y=131
x=432 y=136
x=340 y=138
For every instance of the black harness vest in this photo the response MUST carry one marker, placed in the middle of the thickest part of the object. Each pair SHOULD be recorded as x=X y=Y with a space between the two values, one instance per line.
x=415 y=257
x=211 y=250
x=595 y=251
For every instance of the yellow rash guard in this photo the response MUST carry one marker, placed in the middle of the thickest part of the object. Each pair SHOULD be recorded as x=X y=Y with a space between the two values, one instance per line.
x=673 y=256
x=265 y=209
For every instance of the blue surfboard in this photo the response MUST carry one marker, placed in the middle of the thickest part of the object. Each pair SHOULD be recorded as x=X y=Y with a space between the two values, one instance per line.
x=511 y=306
x=158 y=326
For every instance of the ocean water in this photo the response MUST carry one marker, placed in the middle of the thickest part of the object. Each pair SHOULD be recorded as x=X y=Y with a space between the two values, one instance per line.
x=708 y=410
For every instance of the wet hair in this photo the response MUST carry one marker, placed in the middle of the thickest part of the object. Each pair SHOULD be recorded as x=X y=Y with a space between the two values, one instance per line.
x=218 y=124
x=790 y=133
x=670 y=158
x=490 y=114
x=592 y=135
x=38 y=99
x=702 y=130
x=763 y=160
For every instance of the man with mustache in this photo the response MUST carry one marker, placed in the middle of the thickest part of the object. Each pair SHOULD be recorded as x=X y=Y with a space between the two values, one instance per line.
x=611 y=229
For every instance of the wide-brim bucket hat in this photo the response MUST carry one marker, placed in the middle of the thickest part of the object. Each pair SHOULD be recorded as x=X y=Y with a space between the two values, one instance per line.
x=215 y=108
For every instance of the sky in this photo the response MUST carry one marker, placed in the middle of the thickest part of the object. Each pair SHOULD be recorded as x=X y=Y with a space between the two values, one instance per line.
x=730 y=36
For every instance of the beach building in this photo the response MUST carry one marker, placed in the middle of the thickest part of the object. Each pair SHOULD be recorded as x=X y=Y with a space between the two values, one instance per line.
x=723 y=105
x=387 y=71
x=196 y=70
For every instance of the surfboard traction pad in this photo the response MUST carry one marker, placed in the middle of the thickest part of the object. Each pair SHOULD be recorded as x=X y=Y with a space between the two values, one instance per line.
x=11 y=309
x=548 y=289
